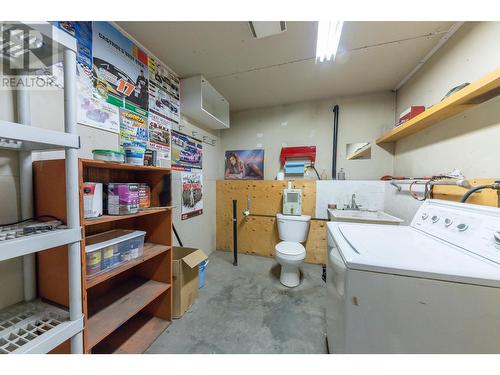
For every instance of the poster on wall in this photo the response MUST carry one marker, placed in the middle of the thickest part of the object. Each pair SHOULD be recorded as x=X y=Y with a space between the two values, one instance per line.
x=91 y=109
x=133 y=128
x=244 y=165
x=186 y=152
x=162 y=76
x=114 y=74
x=163 y=104
x=192 y=194
x=159 y=133
x=120 y=70
x=163 y=90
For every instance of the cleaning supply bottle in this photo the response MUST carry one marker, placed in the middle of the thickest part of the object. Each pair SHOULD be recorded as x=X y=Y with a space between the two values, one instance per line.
x=341 y=174
x=323 y=175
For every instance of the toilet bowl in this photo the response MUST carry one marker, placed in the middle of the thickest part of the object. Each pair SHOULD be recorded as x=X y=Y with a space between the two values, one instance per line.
x=290 y=253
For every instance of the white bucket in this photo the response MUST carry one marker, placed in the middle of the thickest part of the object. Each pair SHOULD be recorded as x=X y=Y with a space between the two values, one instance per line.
x=134 y=154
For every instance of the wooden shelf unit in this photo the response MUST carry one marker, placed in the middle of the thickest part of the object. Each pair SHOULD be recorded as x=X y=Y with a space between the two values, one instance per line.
x=127 y=307
x=470 y=96
x=362 y=152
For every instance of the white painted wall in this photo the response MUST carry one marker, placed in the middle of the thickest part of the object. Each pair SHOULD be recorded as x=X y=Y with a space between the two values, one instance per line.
x=468 y=141
x=362 y=119
x=10 y=270
x=370 y=195
x=199 y=231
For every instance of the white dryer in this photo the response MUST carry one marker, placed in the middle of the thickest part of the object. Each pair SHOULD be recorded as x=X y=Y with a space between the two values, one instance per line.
x=431 y=287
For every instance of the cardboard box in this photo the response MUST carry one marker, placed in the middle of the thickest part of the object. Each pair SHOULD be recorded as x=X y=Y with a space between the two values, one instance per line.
x=185 y=262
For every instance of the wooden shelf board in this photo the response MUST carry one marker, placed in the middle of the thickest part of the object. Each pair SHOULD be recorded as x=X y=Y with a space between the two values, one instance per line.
x=470 y=96
x=150 y=251
x=135 y=336
x=360 y=153
x=116 y=307
x=89 y=163
x=111 y=218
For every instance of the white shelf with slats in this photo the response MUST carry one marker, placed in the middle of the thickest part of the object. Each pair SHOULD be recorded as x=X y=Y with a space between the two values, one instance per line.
x=20 y=246
x=20 y=137
x=37 y=327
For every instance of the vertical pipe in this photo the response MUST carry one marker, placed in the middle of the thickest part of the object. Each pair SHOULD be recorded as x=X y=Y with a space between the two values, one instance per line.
x=235 y=232
x=177 y=236
x=72 y=198
x=335 y=141
x=26 y=192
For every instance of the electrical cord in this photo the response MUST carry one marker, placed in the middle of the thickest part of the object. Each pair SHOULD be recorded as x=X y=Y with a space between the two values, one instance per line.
x=315 y=170
x=427 y=191
x=31 y=218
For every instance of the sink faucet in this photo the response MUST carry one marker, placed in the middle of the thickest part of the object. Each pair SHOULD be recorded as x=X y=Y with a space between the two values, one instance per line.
x=354 y=205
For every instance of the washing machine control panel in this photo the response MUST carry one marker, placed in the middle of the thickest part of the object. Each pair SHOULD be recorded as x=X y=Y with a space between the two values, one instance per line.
x=472 y=227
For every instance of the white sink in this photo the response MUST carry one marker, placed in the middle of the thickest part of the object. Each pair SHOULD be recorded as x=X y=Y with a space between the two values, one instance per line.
x=369 y=217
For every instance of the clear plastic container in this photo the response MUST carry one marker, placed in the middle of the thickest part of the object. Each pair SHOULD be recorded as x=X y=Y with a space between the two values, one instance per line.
x=109 y=155
x=113 y=248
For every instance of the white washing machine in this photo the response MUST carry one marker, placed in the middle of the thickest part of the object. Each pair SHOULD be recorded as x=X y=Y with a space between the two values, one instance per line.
x=431 y=287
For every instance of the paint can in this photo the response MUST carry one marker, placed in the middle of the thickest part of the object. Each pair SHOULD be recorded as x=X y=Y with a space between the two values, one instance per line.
x=144 y=196
x=107 y=257
x=123 y=199
x=93 y=262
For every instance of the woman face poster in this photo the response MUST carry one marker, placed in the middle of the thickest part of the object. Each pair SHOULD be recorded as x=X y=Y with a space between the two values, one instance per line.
x=244 y=165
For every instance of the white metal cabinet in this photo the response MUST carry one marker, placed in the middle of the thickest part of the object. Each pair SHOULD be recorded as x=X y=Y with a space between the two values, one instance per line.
x=201 y=102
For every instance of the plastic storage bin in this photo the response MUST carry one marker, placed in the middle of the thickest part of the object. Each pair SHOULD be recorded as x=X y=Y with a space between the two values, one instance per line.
x=201 y=273
x=109 y=155
x=113 y=248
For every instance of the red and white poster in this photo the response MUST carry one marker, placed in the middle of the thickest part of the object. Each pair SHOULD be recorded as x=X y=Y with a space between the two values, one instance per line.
x=192 y=194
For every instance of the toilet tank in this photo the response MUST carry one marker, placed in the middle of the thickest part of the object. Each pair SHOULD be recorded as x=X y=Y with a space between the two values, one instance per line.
x=293 y=228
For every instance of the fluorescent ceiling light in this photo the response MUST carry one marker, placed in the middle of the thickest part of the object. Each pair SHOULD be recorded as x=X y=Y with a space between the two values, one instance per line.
x=328 y=40
x=262 y=29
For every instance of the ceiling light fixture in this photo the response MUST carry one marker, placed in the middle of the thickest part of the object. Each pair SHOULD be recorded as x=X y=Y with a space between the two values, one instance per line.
x=328 y=40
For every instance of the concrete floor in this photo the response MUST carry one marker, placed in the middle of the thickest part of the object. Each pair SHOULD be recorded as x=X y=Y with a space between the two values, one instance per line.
x=245 y=309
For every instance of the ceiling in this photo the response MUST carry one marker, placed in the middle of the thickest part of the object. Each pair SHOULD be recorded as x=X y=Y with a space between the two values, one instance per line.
x=281 y=69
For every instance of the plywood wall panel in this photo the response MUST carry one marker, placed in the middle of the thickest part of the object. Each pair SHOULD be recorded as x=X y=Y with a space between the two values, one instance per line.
x=486 y=197
x=316 y=242
x=258 y=233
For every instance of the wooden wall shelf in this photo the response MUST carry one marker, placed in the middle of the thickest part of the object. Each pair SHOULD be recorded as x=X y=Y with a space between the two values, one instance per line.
x=129 y=306
x=474 y=94
x=362 y=152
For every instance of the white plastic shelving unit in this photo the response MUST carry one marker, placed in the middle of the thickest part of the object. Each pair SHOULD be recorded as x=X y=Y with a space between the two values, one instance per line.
x=34 y=326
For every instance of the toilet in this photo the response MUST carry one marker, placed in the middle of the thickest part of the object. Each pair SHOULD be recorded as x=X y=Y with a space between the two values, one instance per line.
x=290 y=253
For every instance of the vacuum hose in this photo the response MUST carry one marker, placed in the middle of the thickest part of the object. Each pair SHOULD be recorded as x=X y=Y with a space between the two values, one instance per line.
x=494 y=186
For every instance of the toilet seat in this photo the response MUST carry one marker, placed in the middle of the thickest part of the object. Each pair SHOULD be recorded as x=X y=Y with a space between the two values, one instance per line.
x=290 y=250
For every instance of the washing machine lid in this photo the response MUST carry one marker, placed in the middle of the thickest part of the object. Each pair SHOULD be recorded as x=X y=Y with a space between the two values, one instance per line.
x=410 y=252
x=290 y=248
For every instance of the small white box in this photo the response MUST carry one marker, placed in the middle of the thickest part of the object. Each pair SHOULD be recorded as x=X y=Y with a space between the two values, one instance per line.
x=92 y=199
